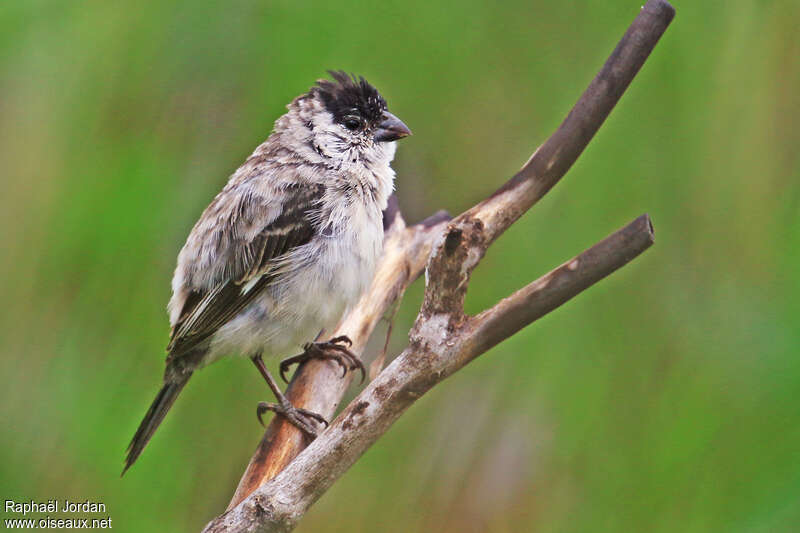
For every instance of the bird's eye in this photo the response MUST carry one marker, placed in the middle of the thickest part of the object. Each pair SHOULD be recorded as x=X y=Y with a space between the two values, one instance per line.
x=352 y=123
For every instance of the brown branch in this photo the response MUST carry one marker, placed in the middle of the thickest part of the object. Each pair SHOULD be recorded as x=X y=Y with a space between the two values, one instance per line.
x=318 y=385
x=280 y=503
x=540 y=297
x=555 y=157
x=443 y=338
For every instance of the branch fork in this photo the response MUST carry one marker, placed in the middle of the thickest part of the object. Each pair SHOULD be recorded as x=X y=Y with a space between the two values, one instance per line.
x=287 y=474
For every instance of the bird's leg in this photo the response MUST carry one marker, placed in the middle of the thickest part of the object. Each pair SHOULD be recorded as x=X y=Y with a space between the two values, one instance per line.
x=333 y=350
x=300 y=418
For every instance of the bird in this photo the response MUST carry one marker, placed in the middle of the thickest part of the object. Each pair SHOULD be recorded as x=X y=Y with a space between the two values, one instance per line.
x=287 y=246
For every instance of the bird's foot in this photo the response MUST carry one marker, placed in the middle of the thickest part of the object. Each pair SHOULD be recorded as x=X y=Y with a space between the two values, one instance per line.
x=303 y=419
x=333 y=349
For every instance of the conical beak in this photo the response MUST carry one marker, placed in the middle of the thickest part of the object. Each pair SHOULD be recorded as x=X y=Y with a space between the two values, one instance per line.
x=391 y=129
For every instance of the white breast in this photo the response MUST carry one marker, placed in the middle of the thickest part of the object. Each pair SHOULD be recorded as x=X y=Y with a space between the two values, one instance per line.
x=324 y=277
x=342 y=268
x=331 y=275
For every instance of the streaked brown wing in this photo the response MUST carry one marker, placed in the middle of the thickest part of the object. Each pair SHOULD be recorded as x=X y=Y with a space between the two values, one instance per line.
x=206 y=311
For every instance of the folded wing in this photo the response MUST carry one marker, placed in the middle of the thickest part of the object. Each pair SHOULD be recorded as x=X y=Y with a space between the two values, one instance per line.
x=250 y=266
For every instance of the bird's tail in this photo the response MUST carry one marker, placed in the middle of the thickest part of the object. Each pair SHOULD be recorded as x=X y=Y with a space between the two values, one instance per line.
x=158 y=409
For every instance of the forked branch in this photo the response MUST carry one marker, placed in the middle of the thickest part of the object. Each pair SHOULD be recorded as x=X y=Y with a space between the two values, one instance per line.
x=318 y=385
x=287 y=475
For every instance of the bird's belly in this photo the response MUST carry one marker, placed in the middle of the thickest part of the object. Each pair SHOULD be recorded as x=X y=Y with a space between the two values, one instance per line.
x=335 y=272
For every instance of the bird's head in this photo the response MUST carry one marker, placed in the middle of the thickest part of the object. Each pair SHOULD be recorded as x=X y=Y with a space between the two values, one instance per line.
x=346 y=119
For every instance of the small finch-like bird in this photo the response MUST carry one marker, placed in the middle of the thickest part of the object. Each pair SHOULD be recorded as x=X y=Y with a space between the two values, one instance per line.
x=287 y=246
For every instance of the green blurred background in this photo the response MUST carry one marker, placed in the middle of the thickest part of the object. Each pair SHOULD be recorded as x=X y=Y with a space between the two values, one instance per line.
x=663 y=399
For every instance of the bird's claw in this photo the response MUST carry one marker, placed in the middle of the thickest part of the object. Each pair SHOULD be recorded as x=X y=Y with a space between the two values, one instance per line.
x=331 y=350
x=298 y=417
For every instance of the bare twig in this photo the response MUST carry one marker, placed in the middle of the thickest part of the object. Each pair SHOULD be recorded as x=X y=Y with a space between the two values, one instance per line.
x=550 y=291
x=435 y=354
x=443 y=338
x=318 y=385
